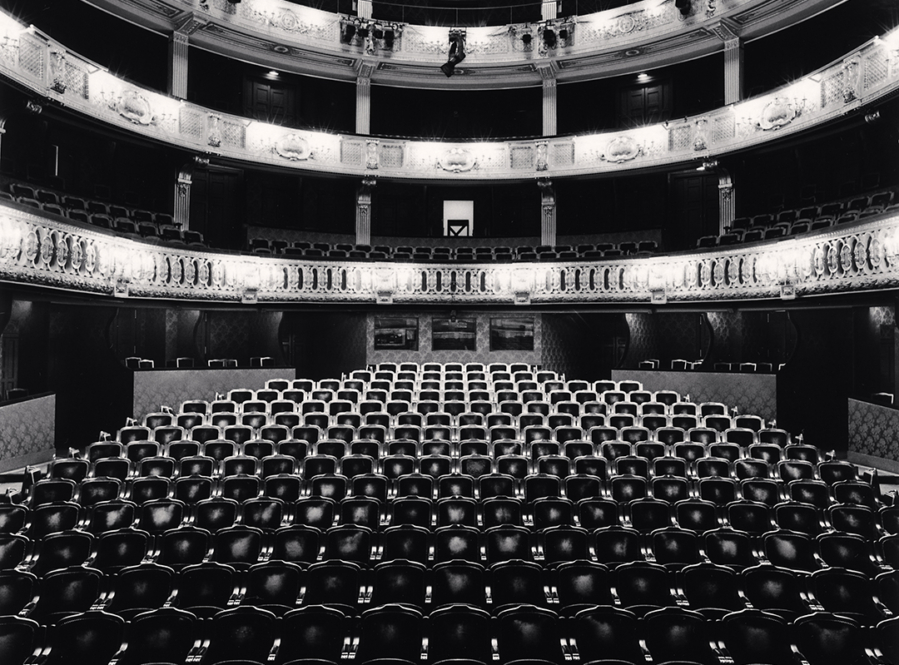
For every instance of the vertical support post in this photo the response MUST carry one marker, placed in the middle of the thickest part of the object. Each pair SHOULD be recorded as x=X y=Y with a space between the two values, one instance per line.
x=363 y=212
x=2 y=132
x=176 y=80
x=726 y=201
x=363 y=8
x=182 y=197
x=548 y=74
x=549 y=9
x=363 y=105
x=547 y=212
x=733 y=70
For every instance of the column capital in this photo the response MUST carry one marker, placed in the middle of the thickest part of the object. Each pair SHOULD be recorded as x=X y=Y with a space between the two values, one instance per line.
x=364 y=71
x=547 y=71
x=187 y=26
x=727 y=31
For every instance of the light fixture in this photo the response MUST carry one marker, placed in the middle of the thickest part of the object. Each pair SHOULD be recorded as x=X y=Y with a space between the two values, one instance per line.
x=643 y=77
x=456 y=52
x=549 y=37
x=684 y=6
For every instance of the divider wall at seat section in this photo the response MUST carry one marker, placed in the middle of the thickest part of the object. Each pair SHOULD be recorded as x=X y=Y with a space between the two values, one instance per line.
x=749 y=393
x=872 y=435
x=41 y=251
x=27 y=431
x=48 y=69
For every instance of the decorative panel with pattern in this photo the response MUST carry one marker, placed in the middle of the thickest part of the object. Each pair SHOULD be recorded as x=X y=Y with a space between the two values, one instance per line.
x=750 y=393
x=874 y=433
x=27 y=432
x=170 y=387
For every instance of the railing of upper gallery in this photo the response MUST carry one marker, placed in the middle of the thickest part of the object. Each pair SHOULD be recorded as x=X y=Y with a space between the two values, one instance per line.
x=43 y=250
x=294 y=37
x=49 y=70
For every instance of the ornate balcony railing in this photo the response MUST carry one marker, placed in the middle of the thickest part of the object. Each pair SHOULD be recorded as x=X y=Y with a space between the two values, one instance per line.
x=48 y=69
x=293 y=37
x=36 y=249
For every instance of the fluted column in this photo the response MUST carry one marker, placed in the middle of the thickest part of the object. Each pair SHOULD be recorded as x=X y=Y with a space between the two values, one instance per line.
x=176 y=82
x=363 y=8
x=363 y=212
x=733 y=70
x=547 y=212
x=363 y=105
x=549 y=9
x=726 y=201
x=548 y=75
x=182 y=198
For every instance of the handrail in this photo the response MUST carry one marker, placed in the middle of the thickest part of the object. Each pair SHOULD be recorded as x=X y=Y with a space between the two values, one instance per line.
x=47 y=68
x=40 y=250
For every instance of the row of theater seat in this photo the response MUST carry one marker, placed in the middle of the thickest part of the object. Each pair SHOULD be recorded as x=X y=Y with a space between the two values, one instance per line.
x=399 y=634
x=797 y=221
x=134 y=223
x=303 y=249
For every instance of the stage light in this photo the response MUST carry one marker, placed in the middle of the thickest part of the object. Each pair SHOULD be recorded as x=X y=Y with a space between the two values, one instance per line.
x=526 y=38
x=683 y=6
x=347 y=33
x=456 y=54
x=549 y=37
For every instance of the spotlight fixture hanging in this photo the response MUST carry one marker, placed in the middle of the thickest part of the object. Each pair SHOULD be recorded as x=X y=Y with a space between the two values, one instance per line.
x=456 y=52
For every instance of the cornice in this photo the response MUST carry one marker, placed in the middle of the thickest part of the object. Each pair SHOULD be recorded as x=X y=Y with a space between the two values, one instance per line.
x=303 y=40
x=46 y=251
x=50 y=71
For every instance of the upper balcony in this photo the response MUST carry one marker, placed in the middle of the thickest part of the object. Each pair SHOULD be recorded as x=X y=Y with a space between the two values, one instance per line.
x=46 y=68
x=625 y=40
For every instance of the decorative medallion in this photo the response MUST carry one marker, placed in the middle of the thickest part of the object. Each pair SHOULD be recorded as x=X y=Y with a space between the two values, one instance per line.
x=733 y=271
x=457 y=160
x=214 y=134
x=542 y=164
x=746 y=270
x=371 y=154
x=622 y=149
x=818 y=260
x=177 y=271
x=203 y=273
x=833 y=258
x=846 y=256
x=48 y=249
x=135 y=108
x=77 y=254
x=875 y=252
x=32 y=246
x=718 y=272
x=778 y=113
x=293 y=278
x=190 y=272
x=705 y=273
x=860 y=252
x=288 y=21
x=293 y=147
x=62 y=253
x=218 y=274
x=90 y=256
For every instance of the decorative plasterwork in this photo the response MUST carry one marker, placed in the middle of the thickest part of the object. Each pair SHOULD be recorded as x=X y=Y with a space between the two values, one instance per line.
x=860 y=78
x=37 y=250
x=652 y=30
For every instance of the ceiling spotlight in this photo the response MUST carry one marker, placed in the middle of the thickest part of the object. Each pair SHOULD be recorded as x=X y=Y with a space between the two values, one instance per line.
x=456 y=54
x=549 y=38
x=683 y=6
x=526 y=38
x=643 y=77
x=563 y=33
x=348 y=32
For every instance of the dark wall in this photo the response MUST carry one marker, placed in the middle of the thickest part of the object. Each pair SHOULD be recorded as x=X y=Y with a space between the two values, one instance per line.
x=324 y=344
x=814 y=386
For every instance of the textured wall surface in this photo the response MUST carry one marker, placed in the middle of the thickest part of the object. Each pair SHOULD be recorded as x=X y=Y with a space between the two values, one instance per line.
x=153 y=388
x=565 y=346
x=481 y=354
x=750 y=393
x=874 y=435
x=27 y=432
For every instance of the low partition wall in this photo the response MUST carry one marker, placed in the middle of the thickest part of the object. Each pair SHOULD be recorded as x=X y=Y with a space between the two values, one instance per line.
x=27 y=431
x=754 y=394
x=874 y=435
x=48 y=69
x=43 y=250
x=171 y=387
x=293 y=235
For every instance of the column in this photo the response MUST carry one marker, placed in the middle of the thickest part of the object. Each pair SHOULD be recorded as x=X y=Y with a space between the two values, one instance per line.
x=549 y=9
x=177 y=71
x=549 y=107
x=548 y=75
x=2 y=132
x=363 y=212
x=363 y=8
x=726 y=201
x=182 y=197
x=363 y=105
x=733 y=70
x=547 y=212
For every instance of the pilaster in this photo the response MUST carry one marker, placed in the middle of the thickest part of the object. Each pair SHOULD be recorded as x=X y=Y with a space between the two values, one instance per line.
x=363 y=212
x=547 y=212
